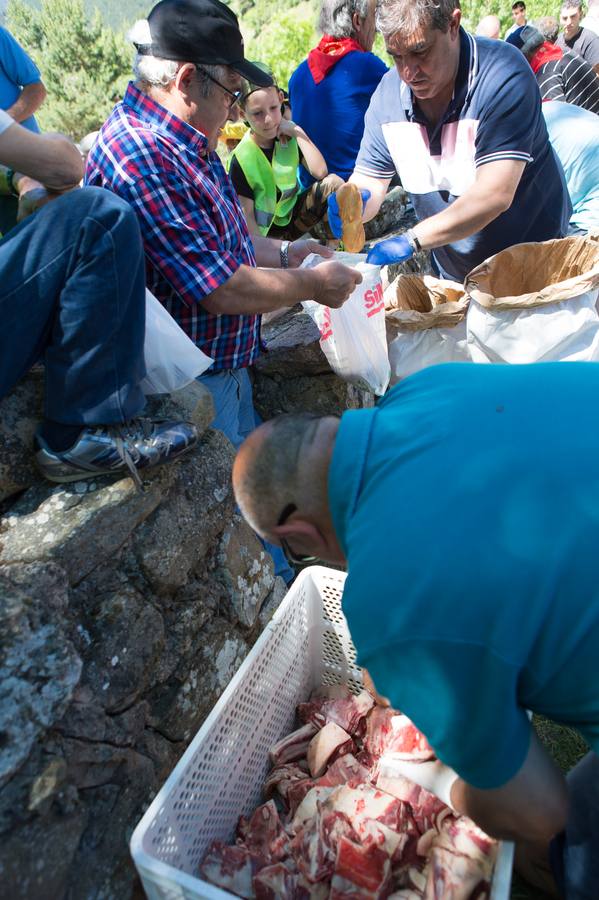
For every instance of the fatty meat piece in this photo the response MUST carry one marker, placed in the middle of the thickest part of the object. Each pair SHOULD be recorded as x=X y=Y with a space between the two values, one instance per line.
x=330 y=742
x=293 y=746
x=231 y=868
x=361 y=873
x=309 y=805
x=428 y=811
x=264 y=835
x=348 y=712
x=345 y=770
x=296 y=793
x=275 y=882
x=463 y=837
x=388 y=732
x=314 y=848
x=280 y=779
x=366 y=802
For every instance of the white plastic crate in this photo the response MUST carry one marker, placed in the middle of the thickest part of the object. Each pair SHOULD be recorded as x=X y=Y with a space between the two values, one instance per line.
x=220 y=776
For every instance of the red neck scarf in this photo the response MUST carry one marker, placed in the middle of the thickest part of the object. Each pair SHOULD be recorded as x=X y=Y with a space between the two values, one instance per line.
x=328 y=53
x=544 y=54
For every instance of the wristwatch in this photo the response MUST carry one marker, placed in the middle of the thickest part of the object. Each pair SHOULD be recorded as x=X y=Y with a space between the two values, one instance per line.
x=412 y=240
x=284 y=251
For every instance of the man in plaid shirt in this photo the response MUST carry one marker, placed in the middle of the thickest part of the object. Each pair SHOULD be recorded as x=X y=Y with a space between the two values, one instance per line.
x=157 y=151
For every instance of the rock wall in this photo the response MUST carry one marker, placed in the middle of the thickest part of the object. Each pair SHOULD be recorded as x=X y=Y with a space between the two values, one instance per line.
x=123 y=617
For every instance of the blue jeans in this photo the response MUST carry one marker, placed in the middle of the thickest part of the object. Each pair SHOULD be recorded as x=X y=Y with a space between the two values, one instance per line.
x=574 y=854
x=236 y=417
x=72 y=294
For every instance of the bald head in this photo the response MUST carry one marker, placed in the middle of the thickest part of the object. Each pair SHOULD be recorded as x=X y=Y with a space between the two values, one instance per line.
x=489 y=27
x=282 y=465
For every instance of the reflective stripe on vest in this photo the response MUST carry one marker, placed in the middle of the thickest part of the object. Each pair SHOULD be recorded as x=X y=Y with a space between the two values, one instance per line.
x=265 y=178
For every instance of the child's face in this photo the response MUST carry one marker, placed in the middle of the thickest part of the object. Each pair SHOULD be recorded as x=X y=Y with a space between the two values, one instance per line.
x=263 y=112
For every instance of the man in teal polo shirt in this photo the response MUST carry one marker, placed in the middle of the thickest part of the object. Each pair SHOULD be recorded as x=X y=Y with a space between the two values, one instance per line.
x=466 y=505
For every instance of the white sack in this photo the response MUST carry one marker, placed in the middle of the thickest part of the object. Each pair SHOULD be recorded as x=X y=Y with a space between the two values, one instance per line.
x=412 y=351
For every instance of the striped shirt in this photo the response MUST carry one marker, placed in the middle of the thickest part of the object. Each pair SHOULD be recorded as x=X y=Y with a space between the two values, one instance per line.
x=495 y=115
x=570 y=79
x=194 y=232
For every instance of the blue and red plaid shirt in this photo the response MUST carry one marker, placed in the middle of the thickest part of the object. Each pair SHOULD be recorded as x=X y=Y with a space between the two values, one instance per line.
x=193 y=228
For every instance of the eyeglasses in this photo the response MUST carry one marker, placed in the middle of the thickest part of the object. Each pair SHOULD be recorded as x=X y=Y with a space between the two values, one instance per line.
x=297 y=558
x=236 y=95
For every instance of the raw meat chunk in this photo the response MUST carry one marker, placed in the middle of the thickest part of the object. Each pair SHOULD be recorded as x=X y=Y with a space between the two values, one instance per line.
x=231 y=868
x=275 y=882
x=294 y=746
x=365 y=802
x=360 y=872
x=428 y=811
x=296 y=793
x=309 y=805
x=281 y=778
x=345 y=770
x=348 y=712
x=378 y=728
x=330 y=742
x=264 y=834
x=315 y=845
x=406 y=742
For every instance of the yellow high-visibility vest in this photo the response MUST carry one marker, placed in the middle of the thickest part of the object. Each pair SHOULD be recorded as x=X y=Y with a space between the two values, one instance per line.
x=265 y=177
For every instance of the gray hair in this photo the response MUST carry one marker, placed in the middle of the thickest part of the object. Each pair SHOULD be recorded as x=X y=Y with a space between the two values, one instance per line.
x=336 y=16
x=549 y=28
x=157 y=72
x=407 y=16
x=572 y=4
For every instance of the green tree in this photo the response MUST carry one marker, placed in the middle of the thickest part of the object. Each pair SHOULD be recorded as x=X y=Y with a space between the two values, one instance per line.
x=283 y=45
x=84 y=64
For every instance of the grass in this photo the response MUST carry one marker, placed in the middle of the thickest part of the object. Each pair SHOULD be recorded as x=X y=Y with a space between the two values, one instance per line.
x=566 y=747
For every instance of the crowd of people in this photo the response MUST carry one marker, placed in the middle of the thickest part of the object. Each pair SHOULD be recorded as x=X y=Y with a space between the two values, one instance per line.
x=496 y=141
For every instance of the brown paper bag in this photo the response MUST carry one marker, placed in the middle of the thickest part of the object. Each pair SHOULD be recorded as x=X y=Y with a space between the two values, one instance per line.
x=421 y=302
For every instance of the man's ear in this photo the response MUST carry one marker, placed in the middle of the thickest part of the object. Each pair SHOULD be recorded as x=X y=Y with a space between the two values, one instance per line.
x=454 y=24
x=184 y=77
x=356 y=23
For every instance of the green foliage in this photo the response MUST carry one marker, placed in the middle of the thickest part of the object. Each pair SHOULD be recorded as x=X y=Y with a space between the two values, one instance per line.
x=84 y=64
x=283 y=46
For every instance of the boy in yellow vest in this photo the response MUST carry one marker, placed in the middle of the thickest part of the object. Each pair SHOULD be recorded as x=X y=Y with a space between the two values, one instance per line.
x=263 y=169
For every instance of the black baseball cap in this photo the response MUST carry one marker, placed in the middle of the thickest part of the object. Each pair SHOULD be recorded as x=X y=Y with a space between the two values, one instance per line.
x=203 y=32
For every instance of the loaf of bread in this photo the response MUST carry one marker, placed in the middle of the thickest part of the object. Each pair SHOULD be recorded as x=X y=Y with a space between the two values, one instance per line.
x=349 y=200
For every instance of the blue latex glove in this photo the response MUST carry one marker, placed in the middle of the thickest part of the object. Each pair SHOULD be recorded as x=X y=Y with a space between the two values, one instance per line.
x=335 y=223
x=393 y=250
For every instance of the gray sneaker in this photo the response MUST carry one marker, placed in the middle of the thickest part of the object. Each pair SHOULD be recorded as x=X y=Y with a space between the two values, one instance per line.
x=117 y=449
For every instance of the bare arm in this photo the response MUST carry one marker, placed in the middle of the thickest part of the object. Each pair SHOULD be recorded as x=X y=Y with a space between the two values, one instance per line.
x=378 y=189
x=29 y=101
x=251 y=290
x=247 y=206
x=532 y=806
x=491 y=194
x=49 y=158
x=313 y=158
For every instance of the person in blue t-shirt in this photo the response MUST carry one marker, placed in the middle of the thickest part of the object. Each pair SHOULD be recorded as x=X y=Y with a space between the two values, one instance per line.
x=459 y=120
x=574 y=135
x=330 y=91
x=21 y=89
x=466 y=508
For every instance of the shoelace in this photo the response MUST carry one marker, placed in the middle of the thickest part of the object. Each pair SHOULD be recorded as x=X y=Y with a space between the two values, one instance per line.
x=116 y=433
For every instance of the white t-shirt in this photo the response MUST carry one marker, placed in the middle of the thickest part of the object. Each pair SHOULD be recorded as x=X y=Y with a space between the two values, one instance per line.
x=5 y=121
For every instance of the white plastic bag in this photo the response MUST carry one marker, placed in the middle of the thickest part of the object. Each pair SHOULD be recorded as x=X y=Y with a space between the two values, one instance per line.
x=172 y=359
x=353 y=337
x=536 y=303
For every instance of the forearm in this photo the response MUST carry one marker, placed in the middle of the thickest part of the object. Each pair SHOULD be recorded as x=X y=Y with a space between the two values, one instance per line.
x=51 y=159
x=378 y=189
x=253 y=290
x=30 y=99
x=468 y=214
x=313 y=158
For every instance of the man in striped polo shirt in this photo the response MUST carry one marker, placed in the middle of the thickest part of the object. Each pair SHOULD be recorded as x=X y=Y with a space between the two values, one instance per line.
x=561 y=74
x=459 y=119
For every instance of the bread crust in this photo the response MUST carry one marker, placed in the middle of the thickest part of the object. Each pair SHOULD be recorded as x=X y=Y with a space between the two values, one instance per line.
x=349 y=200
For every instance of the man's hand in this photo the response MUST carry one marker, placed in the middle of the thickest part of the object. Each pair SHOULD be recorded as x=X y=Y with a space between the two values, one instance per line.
x=300 y=249
x=393 y=250
x=335 y=223
x=32 y=195
x=335 y=283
